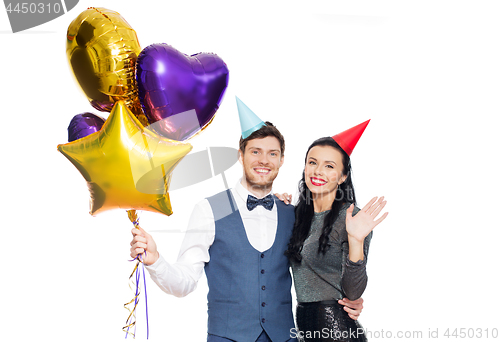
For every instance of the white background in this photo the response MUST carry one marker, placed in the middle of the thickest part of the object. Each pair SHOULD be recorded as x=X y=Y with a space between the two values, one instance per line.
x=426 y=72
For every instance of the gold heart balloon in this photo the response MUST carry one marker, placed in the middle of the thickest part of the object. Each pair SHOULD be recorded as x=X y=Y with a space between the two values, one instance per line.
x=126 y=165
x=102 y=50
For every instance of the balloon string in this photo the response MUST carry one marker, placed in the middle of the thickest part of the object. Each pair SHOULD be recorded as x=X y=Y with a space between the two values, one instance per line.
x=131 y=319
x=145 y=298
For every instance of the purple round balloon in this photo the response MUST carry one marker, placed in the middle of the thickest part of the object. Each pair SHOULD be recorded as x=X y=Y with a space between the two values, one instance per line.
x=84 y=124
x=179 y=93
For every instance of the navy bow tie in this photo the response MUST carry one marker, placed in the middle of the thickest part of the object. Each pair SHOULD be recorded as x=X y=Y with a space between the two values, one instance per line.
x=267 y=202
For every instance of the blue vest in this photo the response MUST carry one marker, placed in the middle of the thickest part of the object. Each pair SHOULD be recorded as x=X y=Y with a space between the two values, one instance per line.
x=248 y=290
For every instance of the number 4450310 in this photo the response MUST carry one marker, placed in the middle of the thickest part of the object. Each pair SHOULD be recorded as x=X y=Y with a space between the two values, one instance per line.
x=471 y=333
x=27 y=7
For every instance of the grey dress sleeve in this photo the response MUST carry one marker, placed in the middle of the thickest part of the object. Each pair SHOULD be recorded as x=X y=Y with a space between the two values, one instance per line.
x=354 y=277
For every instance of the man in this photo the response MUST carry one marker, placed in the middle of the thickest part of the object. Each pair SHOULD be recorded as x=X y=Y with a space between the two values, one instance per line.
x=238 y=237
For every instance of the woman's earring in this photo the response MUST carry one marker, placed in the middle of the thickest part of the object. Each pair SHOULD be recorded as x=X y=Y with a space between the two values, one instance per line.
x=339 y=191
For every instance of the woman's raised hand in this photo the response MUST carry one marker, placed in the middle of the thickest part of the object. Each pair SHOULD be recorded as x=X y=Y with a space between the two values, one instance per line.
x=360 y=225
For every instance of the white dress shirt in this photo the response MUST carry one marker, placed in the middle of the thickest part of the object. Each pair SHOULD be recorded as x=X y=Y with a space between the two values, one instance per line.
x=181 y=278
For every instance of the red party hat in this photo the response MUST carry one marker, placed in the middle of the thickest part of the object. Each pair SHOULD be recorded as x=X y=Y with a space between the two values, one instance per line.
x=348 y=139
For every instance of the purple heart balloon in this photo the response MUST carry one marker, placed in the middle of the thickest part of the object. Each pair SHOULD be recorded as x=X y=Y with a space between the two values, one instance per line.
x=84 y=124
x=179 y=93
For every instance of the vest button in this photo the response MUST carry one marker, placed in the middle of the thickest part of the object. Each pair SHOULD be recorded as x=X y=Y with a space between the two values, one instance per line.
x=263 y=287
x=263 y=320
x=263 y=304
x=262 y=271
x=262 y=255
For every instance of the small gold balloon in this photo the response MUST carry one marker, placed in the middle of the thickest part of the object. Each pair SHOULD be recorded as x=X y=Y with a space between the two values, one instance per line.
x=126 y=165
x=102 y=50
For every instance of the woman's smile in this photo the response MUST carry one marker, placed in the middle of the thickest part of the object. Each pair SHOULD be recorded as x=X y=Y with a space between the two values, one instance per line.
x=317 y=181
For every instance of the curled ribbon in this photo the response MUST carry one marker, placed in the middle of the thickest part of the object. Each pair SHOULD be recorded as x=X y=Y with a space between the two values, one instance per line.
x=131 y=319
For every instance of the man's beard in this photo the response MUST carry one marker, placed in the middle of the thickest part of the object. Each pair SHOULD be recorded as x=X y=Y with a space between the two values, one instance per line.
x=254 y=182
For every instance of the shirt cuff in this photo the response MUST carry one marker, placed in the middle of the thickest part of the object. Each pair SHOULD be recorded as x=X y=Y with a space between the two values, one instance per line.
x=358 y=263
x=158 y=267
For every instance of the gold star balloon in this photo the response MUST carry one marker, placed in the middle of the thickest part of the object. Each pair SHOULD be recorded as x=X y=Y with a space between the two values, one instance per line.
x=126 y=165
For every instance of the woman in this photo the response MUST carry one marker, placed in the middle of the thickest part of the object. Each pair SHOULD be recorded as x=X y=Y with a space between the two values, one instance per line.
x=329 y=245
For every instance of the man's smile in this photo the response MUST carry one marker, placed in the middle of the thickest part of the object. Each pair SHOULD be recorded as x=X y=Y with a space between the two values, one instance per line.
x=262 y=170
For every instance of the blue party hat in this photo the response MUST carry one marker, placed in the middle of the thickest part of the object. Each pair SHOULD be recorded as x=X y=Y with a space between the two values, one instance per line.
x=248 y=120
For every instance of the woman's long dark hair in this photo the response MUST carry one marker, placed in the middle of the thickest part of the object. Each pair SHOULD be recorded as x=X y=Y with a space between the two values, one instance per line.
x=304 y=211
